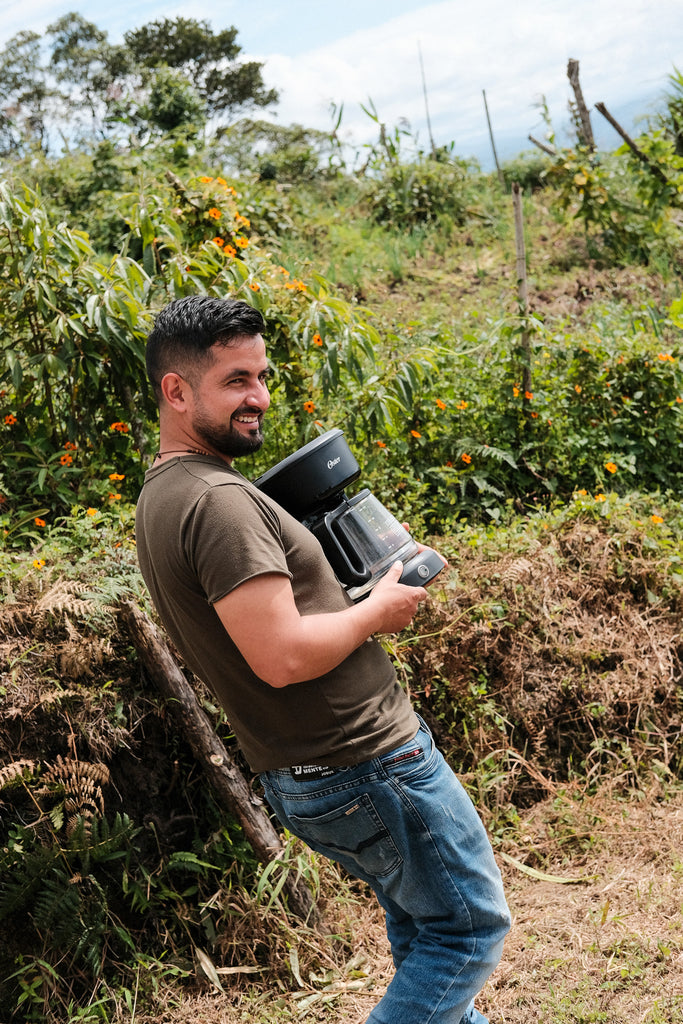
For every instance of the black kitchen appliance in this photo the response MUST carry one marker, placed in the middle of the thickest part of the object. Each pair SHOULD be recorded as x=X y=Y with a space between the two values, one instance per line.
x=360 y=537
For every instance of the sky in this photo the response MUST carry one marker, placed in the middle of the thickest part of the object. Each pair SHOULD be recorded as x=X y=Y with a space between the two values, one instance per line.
x=318 y=54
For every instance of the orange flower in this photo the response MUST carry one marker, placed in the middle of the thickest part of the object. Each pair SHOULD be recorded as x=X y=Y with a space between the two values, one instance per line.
x=441 y=404
x=309 y=407
x=656 y=519
x=215 y=213
x=415 y=433
x=117 y=476
x=205 y=180
x=70 y=446
x=317 y=340
x=611 y=467
x=679 y=399
x=466 y=458
x=10 y=420
x=230 y=250
x=39 y=522
x=255 y=286
x=114 y=497
x=66 y=460
x=515 y=391
x=578 y=389
x=241 y=241
x=218 y=241
x=221 y=181
x=239 y=219
x=91 y=511
x=528 y=395
x=666 y=357
x=38 y=563
x=380 y=444
x=461 y=405
x=600 y=497
x=534 y=415
x=122 y=428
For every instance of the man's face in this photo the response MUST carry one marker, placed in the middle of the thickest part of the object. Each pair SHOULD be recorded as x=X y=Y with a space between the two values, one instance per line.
x=230 y=398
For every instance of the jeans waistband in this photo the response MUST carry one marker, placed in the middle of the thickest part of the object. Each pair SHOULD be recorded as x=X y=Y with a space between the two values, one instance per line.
x=311 y=771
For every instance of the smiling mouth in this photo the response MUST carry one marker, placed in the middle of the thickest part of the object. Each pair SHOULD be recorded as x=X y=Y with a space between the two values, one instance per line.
x=248 y=419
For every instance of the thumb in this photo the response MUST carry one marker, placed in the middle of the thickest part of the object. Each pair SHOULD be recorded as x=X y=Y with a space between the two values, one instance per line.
x=395 y=570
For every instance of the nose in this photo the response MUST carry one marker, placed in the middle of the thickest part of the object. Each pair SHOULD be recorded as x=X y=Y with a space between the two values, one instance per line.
x=259 y=395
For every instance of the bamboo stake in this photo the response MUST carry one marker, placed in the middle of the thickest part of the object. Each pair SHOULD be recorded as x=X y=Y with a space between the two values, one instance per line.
x=522 y=290
x=501 y=179
x=229 y=784
x=424 y=90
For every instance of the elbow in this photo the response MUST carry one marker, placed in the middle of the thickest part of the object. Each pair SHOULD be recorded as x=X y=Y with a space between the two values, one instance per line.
x=284 y=673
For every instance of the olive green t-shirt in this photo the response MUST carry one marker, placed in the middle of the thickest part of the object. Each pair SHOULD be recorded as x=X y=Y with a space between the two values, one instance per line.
x=202 y=529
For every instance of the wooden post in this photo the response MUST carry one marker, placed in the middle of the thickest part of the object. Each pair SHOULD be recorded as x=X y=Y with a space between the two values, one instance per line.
x=501 y=179
x=585 y=129
x=424 y=91
x=229 y=784
x=657 y=171
x=522 y=290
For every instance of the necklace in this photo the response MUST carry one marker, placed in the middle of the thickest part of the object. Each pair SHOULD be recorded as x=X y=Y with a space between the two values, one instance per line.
x=182 y=451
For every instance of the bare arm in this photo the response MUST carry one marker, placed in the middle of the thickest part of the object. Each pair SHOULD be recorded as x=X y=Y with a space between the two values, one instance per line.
x=283 y=647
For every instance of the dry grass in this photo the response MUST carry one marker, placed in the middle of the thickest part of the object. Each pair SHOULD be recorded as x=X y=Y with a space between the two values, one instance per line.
x=604 y=944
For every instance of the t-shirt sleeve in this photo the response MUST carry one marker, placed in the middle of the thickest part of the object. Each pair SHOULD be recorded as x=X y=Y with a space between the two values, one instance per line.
x=232 y=537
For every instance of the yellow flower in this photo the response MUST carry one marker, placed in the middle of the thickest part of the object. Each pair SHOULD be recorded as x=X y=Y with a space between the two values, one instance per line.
x=241 y=241
x=466 y=458
x=656 y=519
x=611 y=467
x=38 y=563
x=215 y=213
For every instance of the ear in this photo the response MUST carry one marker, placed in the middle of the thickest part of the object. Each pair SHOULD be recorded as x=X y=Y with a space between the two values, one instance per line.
x=175 y=390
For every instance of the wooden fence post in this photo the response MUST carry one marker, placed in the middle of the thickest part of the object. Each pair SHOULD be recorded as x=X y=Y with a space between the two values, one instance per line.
x=522 y=291
x=584 y=126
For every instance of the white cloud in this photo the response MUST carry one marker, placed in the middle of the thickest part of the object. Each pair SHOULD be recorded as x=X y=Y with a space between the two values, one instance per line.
x=515 y=49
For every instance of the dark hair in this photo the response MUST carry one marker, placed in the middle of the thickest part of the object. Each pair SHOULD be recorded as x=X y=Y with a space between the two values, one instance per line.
x=185 y=330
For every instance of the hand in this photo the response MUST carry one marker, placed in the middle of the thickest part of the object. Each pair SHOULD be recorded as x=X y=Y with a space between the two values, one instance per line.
x=392 y=602
x=423 y=547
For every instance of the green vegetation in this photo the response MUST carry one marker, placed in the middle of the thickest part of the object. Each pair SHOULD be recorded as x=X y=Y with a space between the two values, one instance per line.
x=547 y=663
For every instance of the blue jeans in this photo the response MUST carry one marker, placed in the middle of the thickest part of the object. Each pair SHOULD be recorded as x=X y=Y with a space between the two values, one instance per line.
x=404 y=824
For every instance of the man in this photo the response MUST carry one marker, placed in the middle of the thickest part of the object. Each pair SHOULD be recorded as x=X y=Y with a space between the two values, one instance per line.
x=248 y=597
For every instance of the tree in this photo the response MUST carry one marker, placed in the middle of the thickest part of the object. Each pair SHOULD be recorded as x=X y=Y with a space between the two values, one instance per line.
x=24 y=94
x=209 y=62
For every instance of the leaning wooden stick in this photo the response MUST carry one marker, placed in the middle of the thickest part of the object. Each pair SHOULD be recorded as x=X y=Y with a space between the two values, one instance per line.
x=228 y=783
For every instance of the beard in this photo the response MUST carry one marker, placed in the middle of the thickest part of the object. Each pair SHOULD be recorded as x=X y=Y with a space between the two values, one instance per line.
x=226 y=439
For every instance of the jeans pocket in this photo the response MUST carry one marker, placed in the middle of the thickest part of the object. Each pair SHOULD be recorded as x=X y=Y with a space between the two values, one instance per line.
x=354 y=834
